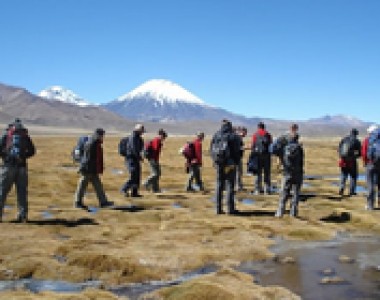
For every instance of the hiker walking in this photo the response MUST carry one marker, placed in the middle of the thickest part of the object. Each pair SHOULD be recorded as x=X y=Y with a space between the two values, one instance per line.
x=225 y=153
x=349 y=150
x=152 y=153
x=131 y=148
x=91 y=166
x=261 y=141
x=16 y=147
x=291 y=155
x=371 y=159
x=194 y=162
x=242 y=133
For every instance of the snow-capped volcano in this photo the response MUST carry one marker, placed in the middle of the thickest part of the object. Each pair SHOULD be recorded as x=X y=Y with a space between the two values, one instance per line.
x=59 y=93
x=162 y=91
x=159 y=100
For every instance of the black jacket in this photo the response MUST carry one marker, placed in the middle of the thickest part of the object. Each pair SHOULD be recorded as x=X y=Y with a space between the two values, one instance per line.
x=234 y=143
x=356 y=145
x=135 y=145
x=27 y=148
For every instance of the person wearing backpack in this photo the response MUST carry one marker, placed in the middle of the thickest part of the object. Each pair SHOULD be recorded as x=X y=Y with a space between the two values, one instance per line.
x=90 y=168
x=261 y=141
x=16 y=147
x=241 y=133
x=349 y=150
x=194 y=163
x=133 y=159
x=292 y=159
x=225 y=151
x=153 y=150
x=371 y=160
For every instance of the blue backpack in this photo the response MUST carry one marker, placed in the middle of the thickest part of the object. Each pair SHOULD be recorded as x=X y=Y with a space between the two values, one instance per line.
x=373 y=152
x=78 y=150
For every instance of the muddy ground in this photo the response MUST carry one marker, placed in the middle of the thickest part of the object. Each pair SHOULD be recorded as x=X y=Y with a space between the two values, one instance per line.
x=162 y=236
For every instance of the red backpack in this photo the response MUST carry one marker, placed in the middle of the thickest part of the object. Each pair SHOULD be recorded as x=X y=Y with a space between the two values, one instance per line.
x=188 y=151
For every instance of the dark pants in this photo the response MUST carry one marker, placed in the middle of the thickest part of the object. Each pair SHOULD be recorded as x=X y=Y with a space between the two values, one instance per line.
x=264 y=168
x=82 y=187
x=372 y=177
x=134 y=169
x=10 y=175
x=153 y=180
x=225 y=180
x=353 y=173
x=194 y=175
x=289 y=182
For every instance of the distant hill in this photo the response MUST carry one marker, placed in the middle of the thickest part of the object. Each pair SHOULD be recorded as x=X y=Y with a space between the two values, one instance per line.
x=32 y=109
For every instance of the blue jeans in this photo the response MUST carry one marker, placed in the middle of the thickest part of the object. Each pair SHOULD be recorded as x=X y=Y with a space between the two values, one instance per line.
x=289 y=182
x=133 y=183
x=353 y=173
x=372 y=177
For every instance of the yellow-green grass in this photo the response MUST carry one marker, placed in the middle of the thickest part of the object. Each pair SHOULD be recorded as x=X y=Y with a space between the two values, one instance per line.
x=157 y=240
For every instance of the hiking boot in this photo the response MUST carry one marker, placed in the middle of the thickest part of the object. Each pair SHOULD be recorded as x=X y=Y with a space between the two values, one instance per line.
x=146 y=186
x=190 y=190
x=353 y=194
x=22 y=219
x=279 y=214
x=124 y=193
x=80 y=205
x=107 y=204
x=341 y=191
x=136 y=195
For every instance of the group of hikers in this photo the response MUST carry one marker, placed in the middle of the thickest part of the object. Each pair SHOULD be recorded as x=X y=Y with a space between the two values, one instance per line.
x=226 y=150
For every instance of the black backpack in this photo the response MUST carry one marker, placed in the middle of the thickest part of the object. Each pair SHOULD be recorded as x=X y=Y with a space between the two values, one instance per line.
x=220 y=149
x=124 y=148
x=346 y=148
x=292 y=156
x=262 y=144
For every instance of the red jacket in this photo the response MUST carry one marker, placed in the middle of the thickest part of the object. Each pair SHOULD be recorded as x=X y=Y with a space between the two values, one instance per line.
x=364 y=151
x=261 y=132
x=156 y=147
x=198 y=152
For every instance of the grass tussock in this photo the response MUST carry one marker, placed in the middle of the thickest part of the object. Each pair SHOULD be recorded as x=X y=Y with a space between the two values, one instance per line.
x=164 y=235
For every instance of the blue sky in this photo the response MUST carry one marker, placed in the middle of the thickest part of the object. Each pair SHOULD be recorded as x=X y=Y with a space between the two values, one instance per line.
x=294 y=59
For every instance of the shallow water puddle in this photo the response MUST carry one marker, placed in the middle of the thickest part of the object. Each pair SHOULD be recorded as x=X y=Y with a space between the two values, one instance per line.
x=177 y=205
x=46 y=215
x=340 y=269
x=117 y=171
x=37 y=286
x=248 y=201
x=134 y=291
x=92 y=209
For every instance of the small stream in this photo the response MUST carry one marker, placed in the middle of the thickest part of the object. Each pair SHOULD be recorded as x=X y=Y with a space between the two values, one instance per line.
x=343 y=268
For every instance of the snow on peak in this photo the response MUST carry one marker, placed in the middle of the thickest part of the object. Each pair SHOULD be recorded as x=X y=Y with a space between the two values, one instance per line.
x=64 y=95
x=162 y=91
